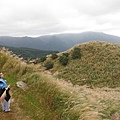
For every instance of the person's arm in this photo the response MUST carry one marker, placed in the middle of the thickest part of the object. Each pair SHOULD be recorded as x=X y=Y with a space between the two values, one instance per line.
x=1 y=84
x=8 y=87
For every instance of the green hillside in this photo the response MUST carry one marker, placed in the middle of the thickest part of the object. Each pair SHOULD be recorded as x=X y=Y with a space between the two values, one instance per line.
x=98 y=66
x=50 y=98
x=29 y=53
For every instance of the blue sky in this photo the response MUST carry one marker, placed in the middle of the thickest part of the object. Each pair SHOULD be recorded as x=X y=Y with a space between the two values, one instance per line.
x=39 y=17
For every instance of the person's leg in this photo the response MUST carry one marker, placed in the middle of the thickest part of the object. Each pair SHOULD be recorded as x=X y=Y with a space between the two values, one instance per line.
x=8 y=105
x=3 y=103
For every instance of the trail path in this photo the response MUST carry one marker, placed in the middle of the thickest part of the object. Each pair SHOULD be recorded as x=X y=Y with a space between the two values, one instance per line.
x=6 y=116
x=15 y=114
x=9 y=115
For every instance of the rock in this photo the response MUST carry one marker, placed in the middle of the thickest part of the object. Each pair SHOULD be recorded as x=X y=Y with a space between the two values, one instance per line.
x=22 y=85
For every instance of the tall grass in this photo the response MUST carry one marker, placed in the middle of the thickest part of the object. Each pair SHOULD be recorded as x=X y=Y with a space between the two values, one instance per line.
x=99 y=66
x=48 y=98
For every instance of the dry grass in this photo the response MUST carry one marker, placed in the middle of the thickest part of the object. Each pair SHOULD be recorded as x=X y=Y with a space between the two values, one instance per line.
x=50 y=98
x=99 y=66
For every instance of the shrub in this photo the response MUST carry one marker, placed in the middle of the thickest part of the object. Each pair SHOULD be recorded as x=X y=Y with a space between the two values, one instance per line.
x=42 y=59
x=66 y=54
x=63 y=60
x=54 y=56
x=49 y=65
x=76 y=53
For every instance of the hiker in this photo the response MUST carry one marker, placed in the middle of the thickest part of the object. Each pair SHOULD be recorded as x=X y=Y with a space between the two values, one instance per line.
x=4 y=94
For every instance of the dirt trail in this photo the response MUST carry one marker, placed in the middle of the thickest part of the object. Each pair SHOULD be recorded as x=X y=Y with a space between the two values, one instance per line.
x=7 y=115
x=16 y=113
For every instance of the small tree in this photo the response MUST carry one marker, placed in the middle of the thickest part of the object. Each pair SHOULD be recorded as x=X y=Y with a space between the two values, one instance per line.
x=66 y=54
x=42 y=59
x=49 y=65
x=76 y=53
x=63 y=60
x=54 y=56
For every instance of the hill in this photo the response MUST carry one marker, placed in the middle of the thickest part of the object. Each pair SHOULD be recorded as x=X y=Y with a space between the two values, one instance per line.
x=99 y=65
x=50 y=98
x=29 y=53
x=57 y=42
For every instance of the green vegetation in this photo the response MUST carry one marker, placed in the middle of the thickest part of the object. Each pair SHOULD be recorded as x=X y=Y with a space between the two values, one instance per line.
x=98 y=66
x=76 y=53
x=50 y=98
x=43 y=58
x=29 y=53
x=54 y=56
x=49 y=65
x=63 y=60
x=66 y=54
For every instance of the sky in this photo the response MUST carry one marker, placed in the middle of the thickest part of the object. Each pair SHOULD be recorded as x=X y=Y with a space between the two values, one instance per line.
x=42 y=17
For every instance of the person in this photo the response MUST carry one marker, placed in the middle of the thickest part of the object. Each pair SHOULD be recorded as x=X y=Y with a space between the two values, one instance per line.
x=4 y=89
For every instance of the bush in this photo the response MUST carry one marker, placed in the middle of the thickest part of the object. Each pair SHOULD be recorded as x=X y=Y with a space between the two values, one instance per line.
x=54 y=56
x=42 y=59
x=49 y=65
x=76 y=53
x=66 y=54
x=63 y=60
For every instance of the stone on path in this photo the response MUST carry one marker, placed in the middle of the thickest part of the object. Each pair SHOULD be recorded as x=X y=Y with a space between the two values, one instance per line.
x=22 y=85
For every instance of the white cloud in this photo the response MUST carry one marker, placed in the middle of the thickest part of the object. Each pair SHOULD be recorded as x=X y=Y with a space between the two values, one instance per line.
x=95 y=8
x=36 y=17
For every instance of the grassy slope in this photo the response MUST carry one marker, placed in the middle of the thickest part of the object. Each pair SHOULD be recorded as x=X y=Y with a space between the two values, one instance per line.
x=48 y=98
x=29 y=53
x=99 y=66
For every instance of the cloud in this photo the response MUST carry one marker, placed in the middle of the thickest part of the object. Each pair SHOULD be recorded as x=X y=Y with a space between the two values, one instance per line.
x=95 y=8
x=36 y=17
x=25 y=16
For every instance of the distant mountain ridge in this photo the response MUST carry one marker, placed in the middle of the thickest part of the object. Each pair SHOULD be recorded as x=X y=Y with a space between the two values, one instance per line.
x=28 y=53
x=57 y=42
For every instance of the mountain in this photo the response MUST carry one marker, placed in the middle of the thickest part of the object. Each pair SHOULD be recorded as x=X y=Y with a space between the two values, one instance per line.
x=29 y=53
x=88 y=88
x=57 y=42
x=97 y=65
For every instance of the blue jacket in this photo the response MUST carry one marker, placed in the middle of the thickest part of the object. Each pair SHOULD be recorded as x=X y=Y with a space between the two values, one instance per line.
x=2 y=83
